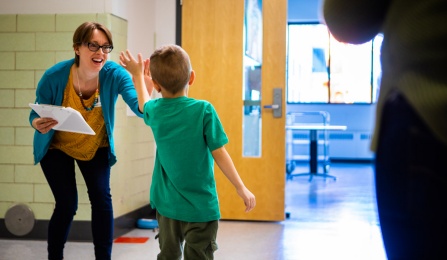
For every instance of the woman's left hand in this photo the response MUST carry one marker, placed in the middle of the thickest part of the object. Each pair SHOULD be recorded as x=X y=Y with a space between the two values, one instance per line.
x=44 y=124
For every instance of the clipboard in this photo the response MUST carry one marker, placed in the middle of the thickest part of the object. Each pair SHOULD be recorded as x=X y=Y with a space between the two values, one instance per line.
x=69 y=119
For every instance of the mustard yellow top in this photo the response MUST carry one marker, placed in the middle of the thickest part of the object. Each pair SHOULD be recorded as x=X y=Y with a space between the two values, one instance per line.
x=81 y=146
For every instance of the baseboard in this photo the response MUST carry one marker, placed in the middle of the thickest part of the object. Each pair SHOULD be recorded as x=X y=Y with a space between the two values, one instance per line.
x=81 y=230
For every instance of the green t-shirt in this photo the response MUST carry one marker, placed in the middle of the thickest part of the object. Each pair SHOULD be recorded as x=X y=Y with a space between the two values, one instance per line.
x=185 y=131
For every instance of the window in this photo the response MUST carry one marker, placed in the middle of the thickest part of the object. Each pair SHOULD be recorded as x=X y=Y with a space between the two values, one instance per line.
x=252 y=87
x=321 y=69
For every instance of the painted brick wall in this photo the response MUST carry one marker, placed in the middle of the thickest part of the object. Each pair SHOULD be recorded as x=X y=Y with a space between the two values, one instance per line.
x=29 y=44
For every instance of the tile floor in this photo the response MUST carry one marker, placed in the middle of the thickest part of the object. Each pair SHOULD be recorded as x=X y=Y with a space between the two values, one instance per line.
x=334 y=220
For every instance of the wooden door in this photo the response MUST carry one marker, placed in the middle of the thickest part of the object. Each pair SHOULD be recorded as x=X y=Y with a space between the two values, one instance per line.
x=212 y=34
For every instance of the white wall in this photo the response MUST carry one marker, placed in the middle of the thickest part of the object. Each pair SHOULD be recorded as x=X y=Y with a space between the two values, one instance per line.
x=54 y=6
x=151 y=22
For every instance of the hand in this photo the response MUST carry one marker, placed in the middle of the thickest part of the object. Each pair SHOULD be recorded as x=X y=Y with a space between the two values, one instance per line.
x=136 y=68
x=44 y=124
x=248 y=197
x=147 y=76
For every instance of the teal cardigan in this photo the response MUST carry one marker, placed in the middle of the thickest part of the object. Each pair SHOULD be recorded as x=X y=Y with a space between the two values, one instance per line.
x=113 y=80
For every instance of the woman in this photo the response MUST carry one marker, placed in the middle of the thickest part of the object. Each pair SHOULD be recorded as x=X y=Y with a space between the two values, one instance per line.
x=90 y=84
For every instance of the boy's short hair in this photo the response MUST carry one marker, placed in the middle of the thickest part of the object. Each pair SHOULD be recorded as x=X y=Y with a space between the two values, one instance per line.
x=170 y=68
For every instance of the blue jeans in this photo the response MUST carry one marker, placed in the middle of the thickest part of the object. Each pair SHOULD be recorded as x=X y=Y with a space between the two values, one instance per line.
x=59 y=170
x=411 y=185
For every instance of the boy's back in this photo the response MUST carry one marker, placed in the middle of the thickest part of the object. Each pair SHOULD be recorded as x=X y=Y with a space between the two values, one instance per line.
x=186 y=131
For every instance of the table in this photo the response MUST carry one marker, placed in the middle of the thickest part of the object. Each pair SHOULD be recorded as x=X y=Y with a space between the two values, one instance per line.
x=313 y=147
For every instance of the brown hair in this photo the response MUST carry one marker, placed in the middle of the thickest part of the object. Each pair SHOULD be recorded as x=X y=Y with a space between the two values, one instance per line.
x=84 y=32
x=170 y=67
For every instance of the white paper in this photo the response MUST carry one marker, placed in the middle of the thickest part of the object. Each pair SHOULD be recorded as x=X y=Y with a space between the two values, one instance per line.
x=68 y=119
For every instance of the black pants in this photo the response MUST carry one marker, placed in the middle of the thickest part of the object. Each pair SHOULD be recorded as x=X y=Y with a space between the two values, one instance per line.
x=59 y=170
x=411 y=185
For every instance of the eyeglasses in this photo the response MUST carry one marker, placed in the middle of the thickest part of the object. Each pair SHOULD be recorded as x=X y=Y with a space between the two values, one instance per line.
x=95 y=47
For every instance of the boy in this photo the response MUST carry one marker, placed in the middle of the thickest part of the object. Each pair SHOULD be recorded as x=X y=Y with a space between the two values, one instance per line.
x=189 y=135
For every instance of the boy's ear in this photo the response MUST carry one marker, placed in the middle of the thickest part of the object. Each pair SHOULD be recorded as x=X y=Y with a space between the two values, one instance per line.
x=191 y=78
x=156 y=86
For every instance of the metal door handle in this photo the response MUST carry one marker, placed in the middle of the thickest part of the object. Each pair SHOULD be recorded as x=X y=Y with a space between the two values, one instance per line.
x=272 y=106
x=277 y=103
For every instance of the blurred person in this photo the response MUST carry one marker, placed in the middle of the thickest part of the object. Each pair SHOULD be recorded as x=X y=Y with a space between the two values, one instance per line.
x=410 y=138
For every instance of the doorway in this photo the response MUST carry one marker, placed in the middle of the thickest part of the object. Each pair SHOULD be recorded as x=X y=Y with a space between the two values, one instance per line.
x=217 y=58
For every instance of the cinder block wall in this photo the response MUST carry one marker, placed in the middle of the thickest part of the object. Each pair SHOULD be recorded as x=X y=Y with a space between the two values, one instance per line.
x=30 y=44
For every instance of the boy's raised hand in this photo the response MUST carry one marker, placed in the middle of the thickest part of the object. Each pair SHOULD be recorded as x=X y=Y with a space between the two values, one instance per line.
x=136 y=68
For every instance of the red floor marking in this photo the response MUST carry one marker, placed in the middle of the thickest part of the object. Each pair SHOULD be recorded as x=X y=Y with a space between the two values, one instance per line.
x=131 y=240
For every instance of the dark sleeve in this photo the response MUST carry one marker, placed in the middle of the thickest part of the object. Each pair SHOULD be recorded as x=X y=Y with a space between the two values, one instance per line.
x=354 y=21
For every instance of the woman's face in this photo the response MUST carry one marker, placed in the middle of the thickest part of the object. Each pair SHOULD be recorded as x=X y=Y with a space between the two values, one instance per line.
x=93 y=60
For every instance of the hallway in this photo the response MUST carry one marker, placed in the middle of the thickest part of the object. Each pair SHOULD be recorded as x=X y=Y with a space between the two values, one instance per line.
x=329 y=219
